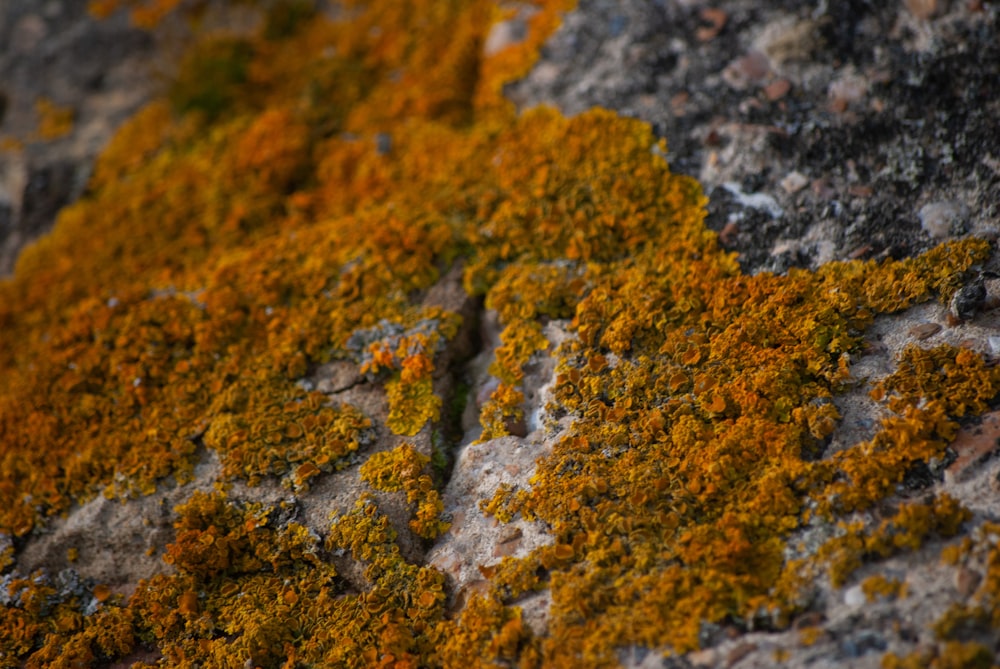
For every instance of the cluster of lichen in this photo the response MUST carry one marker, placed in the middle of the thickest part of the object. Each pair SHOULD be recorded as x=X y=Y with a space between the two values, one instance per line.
x=53 y=121
x=966 y=632
x=409 y=356
x=702 y=398
x=249 y=587
x=405 y=469
x=295 y=209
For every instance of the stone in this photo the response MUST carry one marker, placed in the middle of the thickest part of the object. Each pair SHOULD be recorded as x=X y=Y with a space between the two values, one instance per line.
x=943 y=219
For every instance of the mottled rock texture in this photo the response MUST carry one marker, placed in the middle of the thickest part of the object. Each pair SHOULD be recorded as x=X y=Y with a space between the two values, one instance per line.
x=345 y=360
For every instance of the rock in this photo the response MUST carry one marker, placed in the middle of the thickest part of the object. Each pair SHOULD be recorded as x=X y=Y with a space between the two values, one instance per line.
x=794 y=182
x=747 y=70
x=100 y=69
x=967 y=300
x=924 y=330
x=922 y=9
x=966 y=581
x=476 y=540
x=943 y=219
x=649 y=59
x=855 y=597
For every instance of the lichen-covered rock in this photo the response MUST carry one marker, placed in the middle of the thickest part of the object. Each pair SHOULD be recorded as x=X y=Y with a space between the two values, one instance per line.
x=285 y=290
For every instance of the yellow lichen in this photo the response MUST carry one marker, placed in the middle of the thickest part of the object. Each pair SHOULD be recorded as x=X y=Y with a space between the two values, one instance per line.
x=53 y=121
x=878 y=586
x=404 y=469
x=291 y=204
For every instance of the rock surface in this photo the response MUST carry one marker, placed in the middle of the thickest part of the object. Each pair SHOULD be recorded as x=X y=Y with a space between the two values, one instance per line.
x=97 y=72
x=819 y=134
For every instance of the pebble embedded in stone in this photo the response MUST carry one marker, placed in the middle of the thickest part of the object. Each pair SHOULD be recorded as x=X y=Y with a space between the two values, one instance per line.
x=750 y=69
x=855 y=597
x=794 y=182
x=925 y=330
x=966 y=581
x=968 y=300
x=943 y=218
x=777 y=89
x=922 y=9
x=716 y=20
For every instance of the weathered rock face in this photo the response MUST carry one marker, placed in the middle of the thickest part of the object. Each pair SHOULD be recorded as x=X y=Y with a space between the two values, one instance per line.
x=55 y=60
x=857 y=131
x=382 y=372
x=818 y=132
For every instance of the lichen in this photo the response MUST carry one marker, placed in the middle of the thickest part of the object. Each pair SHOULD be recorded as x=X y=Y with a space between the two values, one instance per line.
x=405 y=469
x=53 y=121
x=237 y=237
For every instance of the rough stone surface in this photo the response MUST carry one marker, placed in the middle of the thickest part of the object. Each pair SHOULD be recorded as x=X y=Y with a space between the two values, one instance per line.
x=99 y=70
x=886 y=113
x=820 y=132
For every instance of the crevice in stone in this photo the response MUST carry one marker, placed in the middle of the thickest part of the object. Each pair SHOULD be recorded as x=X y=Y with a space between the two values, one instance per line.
x=455 y=380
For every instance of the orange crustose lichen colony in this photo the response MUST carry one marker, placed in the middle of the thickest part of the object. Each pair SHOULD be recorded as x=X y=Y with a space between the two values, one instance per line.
x=288 y=203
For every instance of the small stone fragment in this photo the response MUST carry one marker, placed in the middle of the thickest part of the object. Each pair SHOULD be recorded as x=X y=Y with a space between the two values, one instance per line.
x=973 y=445
x=966 y=581
x=516 y=426
x=786 y=41
x=794 y=182
x=860 y=252
x=509 y=534
x=855 y=597
x=777 y=89
x=924 y=330
x=922 y=9
x=968 y=300
x=943 y=219
x=716 y=20
x=749 y=69
x=728 y=233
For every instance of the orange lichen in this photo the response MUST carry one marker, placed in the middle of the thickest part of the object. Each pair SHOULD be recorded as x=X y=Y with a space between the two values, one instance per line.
x=951 y=655
x=53 y=121
x=144 y=13
x=293 y=203
x=404 y=469
x=878 y=586
x=906 y=530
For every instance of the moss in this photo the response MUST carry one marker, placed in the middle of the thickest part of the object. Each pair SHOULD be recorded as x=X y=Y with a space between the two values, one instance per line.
x=302 y=217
